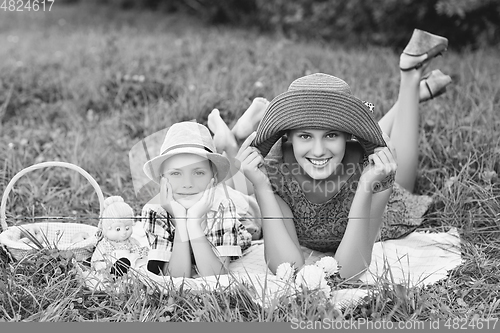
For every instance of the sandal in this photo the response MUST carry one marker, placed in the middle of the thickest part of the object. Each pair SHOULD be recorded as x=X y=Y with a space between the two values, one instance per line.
x=434 y=84
x=424 y=43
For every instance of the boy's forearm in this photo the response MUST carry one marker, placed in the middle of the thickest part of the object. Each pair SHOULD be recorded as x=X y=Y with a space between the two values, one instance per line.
x=207 y=262
x=180 y=259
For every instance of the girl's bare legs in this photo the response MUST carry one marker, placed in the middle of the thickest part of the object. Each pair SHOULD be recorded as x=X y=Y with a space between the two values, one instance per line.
x=225 y=143
x=226 y=140
x=401 y=123
x=388 y=119
x=250 y=119
x=424 y=95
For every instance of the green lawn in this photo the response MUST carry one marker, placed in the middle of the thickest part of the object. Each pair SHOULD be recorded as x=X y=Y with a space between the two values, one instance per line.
x=83 y=85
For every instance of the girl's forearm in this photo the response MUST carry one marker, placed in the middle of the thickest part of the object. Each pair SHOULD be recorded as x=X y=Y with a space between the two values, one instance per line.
x=279 y=247
x=355 y=249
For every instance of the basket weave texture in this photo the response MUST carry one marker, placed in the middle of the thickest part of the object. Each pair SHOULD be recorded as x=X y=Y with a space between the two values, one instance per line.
x=76 y=237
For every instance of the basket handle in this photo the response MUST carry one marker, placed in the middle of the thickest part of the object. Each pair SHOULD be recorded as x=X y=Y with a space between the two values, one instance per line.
x=44 y=165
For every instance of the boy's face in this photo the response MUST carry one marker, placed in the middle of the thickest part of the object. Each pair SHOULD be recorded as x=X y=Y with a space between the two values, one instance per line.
x=119 y=231
x=188 y=175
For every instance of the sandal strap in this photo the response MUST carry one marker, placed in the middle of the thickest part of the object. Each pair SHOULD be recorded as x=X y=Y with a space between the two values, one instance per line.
x=429 y=88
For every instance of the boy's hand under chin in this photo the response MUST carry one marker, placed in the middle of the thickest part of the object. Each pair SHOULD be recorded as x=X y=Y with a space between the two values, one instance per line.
x=168 y=202
x=202 y=206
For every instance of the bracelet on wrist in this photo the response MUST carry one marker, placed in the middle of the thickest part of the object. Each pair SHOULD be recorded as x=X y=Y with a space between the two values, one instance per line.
x=385 y=184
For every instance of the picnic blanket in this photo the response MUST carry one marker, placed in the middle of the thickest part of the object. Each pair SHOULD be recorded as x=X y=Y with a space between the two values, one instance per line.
x=417 y=260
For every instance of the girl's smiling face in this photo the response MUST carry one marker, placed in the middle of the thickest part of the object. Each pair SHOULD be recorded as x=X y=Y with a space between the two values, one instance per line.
x=188 y=175
x=318 y=152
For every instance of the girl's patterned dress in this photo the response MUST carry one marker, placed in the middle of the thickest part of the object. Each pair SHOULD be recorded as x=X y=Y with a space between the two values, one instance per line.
x=321 y=226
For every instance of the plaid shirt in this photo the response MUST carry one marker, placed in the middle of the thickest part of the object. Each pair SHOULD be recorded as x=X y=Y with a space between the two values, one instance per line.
x=223 y=230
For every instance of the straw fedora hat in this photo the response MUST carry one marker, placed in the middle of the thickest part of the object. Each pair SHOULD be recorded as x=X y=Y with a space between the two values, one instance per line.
x=188 y=138
x=318 y=101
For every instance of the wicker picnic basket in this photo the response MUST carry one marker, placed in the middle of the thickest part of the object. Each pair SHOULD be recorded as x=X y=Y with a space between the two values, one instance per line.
x=76 y=237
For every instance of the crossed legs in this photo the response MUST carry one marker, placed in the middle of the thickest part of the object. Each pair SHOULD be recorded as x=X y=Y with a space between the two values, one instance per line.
x=401 y=123
x=227 y=142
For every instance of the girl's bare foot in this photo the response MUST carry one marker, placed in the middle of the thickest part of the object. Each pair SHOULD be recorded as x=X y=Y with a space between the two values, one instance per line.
x=223 y=137
x=250 y=119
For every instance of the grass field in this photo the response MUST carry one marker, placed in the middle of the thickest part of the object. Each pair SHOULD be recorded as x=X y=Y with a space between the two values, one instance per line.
x=83 y=86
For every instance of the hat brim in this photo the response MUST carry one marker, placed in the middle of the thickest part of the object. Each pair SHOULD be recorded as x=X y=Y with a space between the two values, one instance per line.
x=318 y=109
x=221 y=163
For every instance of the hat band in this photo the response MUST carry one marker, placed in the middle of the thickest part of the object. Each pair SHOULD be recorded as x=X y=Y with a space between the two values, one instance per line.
x=187 y=145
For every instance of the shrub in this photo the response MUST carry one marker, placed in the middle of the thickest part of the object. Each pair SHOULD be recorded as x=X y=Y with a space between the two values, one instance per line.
x=384 y=22
x=472 y=23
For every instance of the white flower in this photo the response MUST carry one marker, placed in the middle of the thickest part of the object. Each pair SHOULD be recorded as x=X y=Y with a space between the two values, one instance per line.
x=312 y=277
x=329 y=265
x=284 y=271
x=325 y=288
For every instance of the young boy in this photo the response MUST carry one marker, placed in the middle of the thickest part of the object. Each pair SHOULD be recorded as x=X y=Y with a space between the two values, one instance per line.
x=193 y=221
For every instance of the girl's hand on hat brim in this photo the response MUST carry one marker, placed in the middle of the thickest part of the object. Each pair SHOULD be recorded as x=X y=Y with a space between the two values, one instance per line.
x=382 y=164
x=251 y=162
x=245 y=145
x=253 y=167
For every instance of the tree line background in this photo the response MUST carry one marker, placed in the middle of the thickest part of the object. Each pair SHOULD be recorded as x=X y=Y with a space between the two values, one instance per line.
x=468 y=24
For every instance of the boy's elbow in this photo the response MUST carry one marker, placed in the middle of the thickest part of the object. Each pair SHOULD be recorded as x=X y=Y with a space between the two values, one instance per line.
x=214 y=272
x=178 y=272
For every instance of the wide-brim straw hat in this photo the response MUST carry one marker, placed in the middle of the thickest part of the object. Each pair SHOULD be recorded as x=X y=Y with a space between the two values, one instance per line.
x=318 y=101
x=188 y=138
